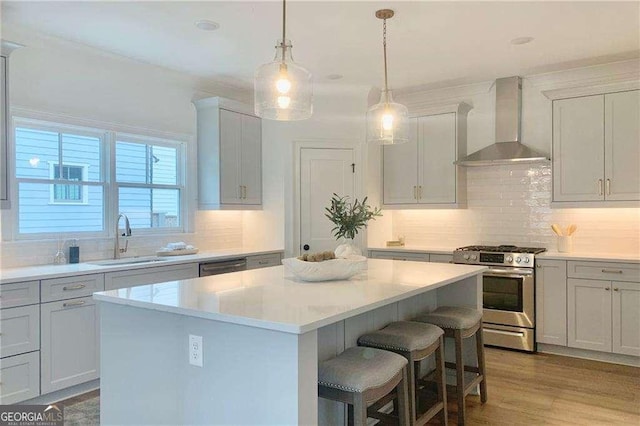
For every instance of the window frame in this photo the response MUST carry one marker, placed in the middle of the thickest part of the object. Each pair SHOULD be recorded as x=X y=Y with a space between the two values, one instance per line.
x=108 y=133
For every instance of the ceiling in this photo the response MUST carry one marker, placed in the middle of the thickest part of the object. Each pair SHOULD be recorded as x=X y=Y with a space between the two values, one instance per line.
x=429 y=42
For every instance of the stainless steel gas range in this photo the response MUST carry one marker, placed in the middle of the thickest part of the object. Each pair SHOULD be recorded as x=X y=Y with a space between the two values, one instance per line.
x=508 y=293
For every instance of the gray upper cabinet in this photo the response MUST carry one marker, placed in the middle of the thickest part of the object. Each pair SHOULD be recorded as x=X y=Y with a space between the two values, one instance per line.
x=596 y=148
x=421 y=173
x=6 y=48
x=229 y=155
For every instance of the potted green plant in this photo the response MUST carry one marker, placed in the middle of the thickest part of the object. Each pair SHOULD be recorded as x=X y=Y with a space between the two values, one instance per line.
x=349 y=218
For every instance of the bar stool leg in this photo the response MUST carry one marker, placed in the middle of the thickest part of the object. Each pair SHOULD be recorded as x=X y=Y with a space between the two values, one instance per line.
x=411 y=374
x=480 y=350
x=403 y=399
x=457 y=335
x=359 y=411
x=442 y=380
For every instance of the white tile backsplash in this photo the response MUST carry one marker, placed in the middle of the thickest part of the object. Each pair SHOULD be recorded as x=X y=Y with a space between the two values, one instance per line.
x=214 y=230
x=512 y=205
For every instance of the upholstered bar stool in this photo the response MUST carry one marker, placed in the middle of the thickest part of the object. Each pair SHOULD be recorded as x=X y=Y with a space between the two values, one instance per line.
x=415 y=341
x=361 y=376
x=462 y=323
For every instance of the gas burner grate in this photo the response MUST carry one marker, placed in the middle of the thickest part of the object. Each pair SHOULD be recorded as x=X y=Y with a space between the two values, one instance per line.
x=503 y=249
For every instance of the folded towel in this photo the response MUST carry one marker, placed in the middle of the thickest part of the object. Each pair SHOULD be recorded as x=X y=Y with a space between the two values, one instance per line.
x=177 y=246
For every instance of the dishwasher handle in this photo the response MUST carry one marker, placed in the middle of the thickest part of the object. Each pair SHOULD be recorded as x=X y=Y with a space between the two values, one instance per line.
x=214 y=268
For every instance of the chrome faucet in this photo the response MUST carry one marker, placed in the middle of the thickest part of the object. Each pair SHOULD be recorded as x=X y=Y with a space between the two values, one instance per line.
x=127 y=233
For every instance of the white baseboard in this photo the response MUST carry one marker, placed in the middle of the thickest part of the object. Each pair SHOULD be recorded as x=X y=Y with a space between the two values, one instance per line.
x=633 y=361
x=63 y=394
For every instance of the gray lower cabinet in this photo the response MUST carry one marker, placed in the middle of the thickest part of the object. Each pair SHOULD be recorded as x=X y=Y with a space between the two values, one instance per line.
x=19 y=378
x=70 y=343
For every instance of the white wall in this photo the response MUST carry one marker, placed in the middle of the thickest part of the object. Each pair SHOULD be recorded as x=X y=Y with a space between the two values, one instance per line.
x=55 y=76
x=512 y=204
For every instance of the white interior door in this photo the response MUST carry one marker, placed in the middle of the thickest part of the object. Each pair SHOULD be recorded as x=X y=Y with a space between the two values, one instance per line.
x=323 y=172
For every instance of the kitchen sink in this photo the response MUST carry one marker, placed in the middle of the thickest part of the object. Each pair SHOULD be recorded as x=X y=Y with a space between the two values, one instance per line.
x=129 y=261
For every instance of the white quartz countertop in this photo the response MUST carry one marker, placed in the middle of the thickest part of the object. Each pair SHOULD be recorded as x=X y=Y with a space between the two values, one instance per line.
x=54 y=271
x=586 y=256
x=271 y=298
x=417 y=249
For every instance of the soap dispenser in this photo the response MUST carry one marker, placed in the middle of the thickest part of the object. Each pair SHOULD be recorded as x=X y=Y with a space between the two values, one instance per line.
x=74 y=252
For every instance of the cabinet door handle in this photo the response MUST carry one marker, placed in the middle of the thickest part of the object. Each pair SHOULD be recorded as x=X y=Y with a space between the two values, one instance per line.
x=419 y=191
x=616 y=289
x=76 y=303
x=263 y=262
x=415 y=193
x=606 y=288
x=612 y=271
x=608 y=186
x=245 y=192
x=73 y=287
x=599 y=186
x=240 y=191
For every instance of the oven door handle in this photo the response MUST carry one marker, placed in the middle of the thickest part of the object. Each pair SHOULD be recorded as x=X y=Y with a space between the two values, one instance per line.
x=503 y=332
x=509 y=273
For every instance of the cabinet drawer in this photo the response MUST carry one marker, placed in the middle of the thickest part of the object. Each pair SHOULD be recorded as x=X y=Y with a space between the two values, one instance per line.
x=20 y=378
x=158 y=274
x=19 y=294
x=19 y=330
x=441 y=258
x=399 y=255
x=70 y=287
x=263 y=261
x=604 y=271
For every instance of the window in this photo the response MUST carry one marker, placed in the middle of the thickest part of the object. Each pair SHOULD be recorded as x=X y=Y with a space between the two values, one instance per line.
x=148 y=184
x=63 y=184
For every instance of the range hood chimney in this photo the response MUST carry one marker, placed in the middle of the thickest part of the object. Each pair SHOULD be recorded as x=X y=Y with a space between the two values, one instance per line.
x=507 y=148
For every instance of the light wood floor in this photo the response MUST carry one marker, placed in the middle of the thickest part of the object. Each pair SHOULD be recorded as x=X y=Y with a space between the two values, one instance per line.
x=526 y=389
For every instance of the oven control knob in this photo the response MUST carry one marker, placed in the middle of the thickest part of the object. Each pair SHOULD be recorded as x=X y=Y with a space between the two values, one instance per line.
x=474 y=257
x=526 y=260
x=518 y=260
x=509 y=259
x=466 y=257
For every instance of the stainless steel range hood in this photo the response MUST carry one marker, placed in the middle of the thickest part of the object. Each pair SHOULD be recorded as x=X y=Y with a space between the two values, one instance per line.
x=507 y=149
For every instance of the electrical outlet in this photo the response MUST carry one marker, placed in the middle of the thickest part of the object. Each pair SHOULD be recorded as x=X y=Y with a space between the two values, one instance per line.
x=195 y=350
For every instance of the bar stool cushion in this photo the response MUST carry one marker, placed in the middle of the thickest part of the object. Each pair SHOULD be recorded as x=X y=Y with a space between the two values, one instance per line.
x=404 y=336
x=450 y=317
x=360 y=368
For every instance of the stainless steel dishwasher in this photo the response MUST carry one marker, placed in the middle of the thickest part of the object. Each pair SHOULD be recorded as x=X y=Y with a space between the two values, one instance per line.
x=223 y=266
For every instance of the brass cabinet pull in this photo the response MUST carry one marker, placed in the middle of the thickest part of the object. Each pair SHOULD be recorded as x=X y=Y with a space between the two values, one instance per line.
x=73 y=287
x=612 y=271
x=606 y=288
x=419 y=191
x=76 y=303
x=616 y=289
x=608 y=186
x=415 y=192
x=599 y=186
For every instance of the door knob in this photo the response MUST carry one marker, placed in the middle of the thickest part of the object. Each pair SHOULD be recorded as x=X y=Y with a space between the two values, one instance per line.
x=305 y=247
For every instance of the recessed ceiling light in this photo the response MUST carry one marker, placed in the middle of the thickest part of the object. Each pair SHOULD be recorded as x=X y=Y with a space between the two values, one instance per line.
x=522 y=40
x=206 y=25
x=334 y=76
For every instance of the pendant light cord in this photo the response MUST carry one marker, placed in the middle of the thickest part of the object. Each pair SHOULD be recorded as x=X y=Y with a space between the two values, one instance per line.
x=384 y=48
x=284 y=27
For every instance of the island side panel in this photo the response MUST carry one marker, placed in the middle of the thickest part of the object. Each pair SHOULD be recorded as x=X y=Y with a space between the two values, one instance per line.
x=249 y=375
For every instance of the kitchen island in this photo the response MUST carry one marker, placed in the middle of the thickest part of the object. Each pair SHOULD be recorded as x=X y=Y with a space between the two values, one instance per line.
x=263 y=333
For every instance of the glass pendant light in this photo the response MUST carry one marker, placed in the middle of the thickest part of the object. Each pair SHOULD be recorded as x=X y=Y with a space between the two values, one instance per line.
x=387 y=121
x=283 y=89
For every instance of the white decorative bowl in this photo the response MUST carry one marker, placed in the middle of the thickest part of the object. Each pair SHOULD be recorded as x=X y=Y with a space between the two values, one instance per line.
x=334 y=269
